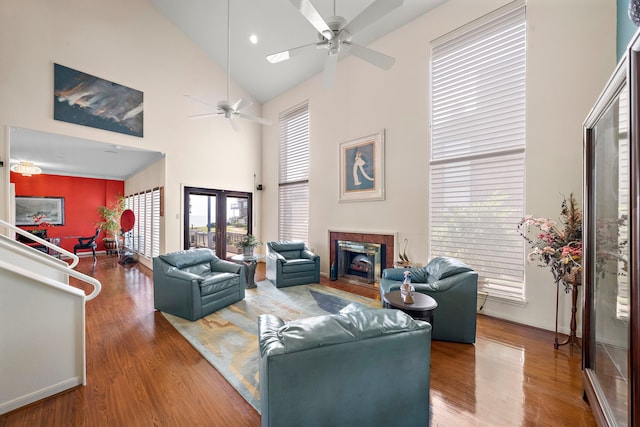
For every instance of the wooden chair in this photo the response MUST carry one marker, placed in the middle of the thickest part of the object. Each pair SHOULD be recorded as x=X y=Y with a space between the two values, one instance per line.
x=87 y=243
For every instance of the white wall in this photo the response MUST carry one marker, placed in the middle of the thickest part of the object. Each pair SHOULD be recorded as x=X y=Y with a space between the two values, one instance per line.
x=130 y=43
x=570 y=54
x=52 y=359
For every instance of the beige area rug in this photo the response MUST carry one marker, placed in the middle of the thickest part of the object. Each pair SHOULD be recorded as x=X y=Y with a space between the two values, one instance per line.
x=228 y=338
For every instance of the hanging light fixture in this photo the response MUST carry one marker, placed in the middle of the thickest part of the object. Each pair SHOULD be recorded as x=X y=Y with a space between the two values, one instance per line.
x=26 y=168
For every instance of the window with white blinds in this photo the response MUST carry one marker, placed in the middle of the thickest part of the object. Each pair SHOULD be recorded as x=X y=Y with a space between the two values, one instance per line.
x=144 y=238
x=477 y=159
x=293 y=192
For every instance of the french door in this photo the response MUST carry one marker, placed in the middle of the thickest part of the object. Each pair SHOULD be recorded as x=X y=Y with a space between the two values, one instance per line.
x=216 y=219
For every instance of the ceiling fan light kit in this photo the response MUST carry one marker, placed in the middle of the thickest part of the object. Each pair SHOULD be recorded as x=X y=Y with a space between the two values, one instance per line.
x=334 y=35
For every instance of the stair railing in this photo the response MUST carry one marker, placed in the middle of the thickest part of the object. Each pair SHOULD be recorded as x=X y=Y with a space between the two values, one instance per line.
x=44 y=242
x=50 y=261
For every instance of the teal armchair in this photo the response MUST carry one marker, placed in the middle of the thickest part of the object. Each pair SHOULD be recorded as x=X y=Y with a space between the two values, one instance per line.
x=454 y=286
x=357 y=368
x=289 y=263
x=195 y=282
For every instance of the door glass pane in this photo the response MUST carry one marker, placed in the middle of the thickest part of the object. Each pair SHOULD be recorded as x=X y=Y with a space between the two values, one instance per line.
x=237 y=222
x=611 y=253
x=202 y=222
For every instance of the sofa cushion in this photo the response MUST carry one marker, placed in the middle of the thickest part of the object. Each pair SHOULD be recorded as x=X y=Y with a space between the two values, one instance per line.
x=187 y=258
x=354 y=306
x=296 y=265
x=290 y=254
x=418 y=275
x=216 y=282
x=443 y=267
x=320 y=331
x=198 y=269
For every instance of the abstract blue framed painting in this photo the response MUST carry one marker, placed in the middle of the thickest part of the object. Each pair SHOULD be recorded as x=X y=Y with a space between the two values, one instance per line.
x=87 y=100
x=362 y=168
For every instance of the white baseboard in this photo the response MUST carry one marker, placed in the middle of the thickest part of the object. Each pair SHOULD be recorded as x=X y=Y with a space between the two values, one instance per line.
x=34 y=396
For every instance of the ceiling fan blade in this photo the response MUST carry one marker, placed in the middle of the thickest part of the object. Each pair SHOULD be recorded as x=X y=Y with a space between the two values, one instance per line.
x=240 y=104
x=260 y=120
x=284 y=55
x=200 y=101
x=202 y=116
x=234 y=125
x=330 y=66
x=374 y=57
x=372 y=13
x=311 y=14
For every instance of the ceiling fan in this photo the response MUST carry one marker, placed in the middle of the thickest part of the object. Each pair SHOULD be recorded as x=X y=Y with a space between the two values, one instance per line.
x=225 y=108
x=334 y=35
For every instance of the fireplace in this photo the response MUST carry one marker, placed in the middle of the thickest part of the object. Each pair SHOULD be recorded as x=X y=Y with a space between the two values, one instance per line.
x=359 y=258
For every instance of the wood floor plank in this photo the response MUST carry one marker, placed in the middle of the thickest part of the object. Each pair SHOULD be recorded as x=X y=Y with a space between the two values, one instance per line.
x=142 y=372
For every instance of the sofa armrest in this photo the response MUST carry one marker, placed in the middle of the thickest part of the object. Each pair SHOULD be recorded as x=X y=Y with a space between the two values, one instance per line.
x=393 y=274
x=308 y=254
x=275 y=256
x=268 y=326
x=176 y=273
x=226 y=266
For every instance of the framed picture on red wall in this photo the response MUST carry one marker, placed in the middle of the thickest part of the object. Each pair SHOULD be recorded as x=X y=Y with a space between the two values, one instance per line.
x=39 y=210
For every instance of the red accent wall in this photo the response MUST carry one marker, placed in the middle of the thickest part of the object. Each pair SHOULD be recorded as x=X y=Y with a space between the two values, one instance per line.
x=82 y=196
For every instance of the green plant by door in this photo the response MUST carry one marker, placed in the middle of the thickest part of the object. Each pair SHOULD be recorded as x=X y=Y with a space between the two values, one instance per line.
x=110 y=215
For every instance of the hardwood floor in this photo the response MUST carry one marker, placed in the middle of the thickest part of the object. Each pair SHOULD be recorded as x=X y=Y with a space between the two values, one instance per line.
x=142 y=372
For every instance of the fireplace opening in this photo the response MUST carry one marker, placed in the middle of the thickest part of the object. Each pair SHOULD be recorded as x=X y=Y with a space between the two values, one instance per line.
x=360 y=261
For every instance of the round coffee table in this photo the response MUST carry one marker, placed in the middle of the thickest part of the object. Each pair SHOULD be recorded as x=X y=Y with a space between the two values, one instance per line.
x=422 y=308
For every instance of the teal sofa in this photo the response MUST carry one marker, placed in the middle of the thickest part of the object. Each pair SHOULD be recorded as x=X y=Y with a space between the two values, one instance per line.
x=361 y=367
x=289 y=263
x=454 y=286
x=195 y=282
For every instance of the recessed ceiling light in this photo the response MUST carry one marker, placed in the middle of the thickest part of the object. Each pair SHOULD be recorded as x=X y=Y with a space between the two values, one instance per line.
x=253 y=39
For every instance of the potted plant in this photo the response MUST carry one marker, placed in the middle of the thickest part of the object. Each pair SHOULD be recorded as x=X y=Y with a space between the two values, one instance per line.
x=247 y=244
x=110 y=223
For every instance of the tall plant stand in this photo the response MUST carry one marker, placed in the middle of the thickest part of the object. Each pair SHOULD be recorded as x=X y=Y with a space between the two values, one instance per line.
x=571 y=339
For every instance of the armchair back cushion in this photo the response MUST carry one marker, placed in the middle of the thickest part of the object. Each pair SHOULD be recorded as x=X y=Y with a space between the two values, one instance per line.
x=357 y=368
x=289 y=263
x=195 y=282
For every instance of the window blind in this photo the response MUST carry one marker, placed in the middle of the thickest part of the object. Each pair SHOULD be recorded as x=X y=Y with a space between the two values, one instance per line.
x=293 y=192
x=477 y=160
x=144 y=238
x=155 y=238
x=148 y=223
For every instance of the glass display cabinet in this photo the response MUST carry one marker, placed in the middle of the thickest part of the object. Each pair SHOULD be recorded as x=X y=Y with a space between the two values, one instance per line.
x=611 y=364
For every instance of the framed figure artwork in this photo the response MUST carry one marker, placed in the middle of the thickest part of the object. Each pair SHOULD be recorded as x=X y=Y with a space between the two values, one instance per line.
x=362 y=168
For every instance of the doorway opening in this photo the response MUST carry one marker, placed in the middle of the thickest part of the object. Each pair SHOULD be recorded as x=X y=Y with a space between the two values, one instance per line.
x=216 y=219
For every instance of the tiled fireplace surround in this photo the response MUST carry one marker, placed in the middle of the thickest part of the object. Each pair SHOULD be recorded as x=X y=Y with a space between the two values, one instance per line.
x=379 y=238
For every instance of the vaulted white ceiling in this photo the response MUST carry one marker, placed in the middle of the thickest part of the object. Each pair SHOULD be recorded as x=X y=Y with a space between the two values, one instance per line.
x=278 y=26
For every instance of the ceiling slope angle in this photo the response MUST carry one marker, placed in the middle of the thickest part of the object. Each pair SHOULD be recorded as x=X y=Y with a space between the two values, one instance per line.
x=334 y=36
x=225 y=108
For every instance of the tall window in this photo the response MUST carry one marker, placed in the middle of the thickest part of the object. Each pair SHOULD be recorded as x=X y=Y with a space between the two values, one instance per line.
x=144 y=238
x=293 y=193
x=478 y=148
